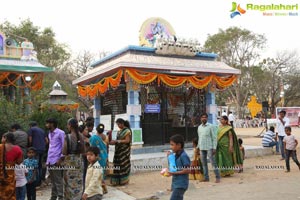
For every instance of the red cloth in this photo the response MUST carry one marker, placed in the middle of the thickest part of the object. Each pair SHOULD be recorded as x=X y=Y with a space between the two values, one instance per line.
x=14 y=154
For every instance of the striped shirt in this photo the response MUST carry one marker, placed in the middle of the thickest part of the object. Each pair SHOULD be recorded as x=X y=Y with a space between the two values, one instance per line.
x=207 y=137
x=268 y=138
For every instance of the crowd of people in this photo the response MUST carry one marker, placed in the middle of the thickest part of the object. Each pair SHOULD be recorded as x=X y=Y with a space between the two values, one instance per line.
x=77 y=161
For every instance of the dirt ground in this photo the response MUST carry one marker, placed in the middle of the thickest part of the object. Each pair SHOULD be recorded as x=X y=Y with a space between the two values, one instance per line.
x=256 y=170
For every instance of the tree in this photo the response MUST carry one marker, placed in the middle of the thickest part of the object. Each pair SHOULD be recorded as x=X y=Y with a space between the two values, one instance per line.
x=284 y=74
x=49 y=52
x=239 y=48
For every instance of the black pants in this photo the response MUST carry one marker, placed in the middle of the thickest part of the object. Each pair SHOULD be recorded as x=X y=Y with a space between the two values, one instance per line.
x=231 y=123
x=289 y=153
x=31 y=193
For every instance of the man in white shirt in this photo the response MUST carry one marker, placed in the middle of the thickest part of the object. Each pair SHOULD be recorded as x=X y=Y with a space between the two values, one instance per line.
x=281 y=123
x=231 y=118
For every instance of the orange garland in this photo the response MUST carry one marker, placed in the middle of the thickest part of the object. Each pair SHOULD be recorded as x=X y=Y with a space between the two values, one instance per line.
x=36 y=82
x=102 y=86
x=142 y=77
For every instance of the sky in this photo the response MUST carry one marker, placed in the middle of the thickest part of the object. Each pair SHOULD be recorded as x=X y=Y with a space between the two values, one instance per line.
x=111 y=25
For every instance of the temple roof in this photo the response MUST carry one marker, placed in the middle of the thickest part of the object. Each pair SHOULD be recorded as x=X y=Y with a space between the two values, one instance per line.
x=14 y=65
x=146 y=58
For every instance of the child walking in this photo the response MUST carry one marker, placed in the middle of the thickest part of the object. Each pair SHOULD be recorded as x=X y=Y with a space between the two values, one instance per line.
x=290 y=143
x=32 y=165
x=242 y=150
x=93 y=180
x=180 y=178
x=196 y=166
x=21 y=181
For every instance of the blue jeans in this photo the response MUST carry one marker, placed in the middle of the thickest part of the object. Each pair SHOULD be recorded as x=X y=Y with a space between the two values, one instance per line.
x=294 y=157
x=273 y=143
x=209 y=153
x=20 y=192
x=281 y=146
x=177 y=194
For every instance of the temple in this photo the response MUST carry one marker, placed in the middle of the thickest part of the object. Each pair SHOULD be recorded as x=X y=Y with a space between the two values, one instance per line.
x=20 y=71
x=161 y=86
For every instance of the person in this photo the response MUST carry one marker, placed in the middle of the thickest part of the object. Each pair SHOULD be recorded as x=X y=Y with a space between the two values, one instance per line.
x=180 y=178
x=20 y=172
x=72 y=151
x=196 y=166
x=37 y=139
x=228 y=155
x=55 y=157
x=32 y=165
x=93 y=189
x=281 y=122
x=84 y=131
x=231 y=118
x=290 y=144
x=269 y=139
x=89 y=123
x=242 y=153
x=207 y=144
x=224 y=113
x=121 y=160
x=21 y=137
x=10 y=155
x=101 y=141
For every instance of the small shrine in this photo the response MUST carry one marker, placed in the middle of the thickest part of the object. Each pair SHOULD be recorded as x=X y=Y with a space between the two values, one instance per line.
x=58 y=100
x=161 y=86
x=20 y=71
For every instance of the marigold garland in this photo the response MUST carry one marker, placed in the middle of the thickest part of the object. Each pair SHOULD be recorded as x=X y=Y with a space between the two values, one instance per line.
x=142 y=77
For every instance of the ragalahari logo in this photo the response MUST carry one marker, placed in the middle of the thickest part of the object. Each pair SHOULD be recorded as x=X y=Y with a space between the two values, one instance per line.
x=236 y=10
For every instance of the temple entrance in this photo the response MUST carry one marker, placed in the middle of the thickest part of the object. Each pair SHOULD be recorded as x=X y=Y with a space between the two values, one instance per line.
x=174 y=111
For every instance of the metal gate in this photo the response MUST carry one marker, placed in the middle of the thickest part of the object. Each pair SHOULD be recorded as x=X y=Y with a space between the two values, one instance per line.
x=180 y=111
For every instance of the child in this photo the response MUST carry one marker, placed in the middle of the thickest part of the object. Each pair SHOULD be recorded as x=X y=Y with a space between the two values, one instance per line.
x=180 y=179
x=21 y=181
x=196 y=166
x=242 y=150
x=290 y=143
x=32 y=165
x=93 y=180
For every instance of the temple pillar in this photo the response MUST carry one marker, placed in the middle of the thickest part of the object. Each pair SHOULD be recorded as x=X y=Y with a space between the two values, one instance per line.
x=97 y=111
x=211 y=107
x=134 y=111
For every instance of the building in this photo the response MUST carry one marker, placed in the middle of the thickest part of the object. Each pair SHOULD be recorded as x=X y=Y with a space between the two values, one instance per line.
x=161 y=87
x=20 y=71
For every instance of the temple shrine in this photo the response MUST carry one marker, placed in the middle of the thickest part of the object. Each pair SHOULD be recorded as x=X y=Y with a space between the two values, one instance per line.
x=20 y=71
x=161 y=86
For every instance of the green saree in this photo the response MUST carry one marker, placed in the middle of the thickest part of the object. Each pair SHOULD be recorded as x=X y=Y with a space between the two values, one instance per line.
x=121 y=160
x=226 y=161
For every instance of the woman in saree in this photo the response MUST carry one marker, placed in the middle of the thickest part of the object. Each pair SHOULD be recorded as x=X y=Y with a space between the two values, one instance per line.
x=228 y=155
x=10 y=155
x=122 y=154
x=73 y=151
x=100 y=140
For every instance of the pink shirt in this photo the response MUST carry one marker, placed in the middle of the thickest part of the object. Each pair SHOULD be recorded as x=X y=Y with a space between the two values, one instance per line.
x=290 y=143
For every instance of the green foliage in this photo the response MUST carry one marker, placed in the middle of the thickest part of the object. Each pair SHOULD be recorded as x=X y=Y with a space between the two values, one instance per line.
x=41 y=116
x=10 y=114
x=49 y=52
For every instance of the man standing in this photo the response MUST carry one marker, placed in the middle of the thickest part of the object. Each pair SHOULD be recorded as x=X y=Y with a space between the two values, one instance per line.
x=281 y=123
x=37 y=139
x=207 y=143
x=21 y=137
x=56 y=143
x=231 y=118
